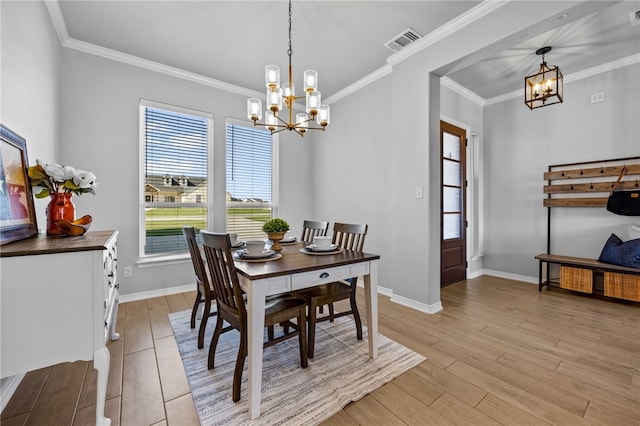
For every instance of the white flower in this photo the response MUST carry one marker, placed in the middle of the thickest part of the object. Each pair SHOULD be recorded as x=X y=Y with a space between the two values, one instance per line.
x=69 y=172
x=56 y=171
x=84 y=179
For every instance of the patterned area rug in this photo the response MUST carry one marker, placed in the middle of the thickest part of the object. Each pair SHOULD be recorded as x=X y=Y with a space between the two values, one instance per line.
x=340 y=372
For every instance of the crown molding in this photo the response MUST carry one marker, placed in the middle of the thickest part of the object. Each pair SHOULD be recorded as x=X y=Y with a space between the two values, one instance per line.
x=58 y=20
x=579 y=75
x=462 y=91
x=377 y=74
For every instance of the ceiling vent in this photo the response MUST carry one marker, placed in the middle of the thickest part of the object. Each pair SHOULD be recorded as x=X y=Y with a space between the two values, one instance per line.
x=635 y=17
x=406 y=37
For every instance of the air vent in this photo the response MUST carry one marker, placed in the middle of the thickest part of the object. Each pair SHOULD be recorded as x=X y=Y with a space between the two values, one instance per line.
x=635 y=17
x=406 y=37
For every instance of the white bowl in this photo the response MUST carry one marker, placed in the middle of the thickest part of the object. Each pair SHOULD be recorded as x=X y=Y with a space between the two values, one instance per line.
x=322 y=241
x=255 y=246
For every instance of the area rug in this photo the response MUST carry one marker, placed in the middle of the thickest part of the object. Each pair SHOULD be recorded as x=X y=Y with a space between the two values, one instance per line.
x=339 y=373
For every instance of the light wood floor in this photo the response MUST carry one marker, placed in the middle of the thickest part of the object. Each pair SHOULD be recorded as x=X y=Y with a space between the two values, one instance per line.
x=499 y=353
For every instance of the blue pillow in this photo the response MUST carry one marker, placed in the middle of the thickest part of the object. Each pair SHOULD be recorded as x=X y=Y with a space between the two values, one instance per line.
x=618 y=252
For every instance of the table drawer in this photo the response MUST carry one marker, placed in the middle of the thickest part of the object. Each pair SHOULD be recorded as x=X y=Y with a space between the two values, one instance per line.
x=323 y=276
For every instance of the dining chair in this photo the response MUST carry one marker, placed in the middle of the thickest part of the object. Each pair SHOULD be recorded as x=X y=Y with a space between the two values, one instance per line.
x=348 y=237
x=311 y=228
x=204 y=294
x=233 y=310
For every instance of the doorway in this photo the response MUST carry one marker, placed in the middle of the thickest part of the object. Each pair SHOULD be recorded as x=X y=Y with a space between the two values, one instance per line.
x=453 y=222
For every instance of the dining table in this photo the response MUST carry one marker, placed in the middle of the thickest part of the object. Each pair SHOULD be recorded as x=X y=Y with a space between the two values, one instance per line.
x=296 y=268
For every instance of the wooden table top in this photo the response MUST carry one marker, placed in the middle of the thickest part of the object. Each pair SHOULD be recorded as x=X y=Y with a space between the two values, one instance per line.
x=42 y=244
x=293 y=261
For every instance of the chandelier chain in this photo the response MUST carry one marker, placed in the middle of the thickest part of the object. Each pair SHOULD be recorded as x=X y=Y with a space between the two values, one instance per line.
x=290 y=51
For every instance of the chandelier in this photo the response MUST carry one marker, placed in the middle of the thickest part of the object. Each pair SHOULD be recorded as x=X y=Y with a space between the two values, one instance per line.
x=544 y=86
x=277 y=95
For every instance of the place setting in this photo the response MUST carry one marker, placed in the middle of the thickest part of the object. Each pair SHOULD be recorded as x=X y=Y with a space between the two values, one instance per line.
x=236 y=244
x=321 y=246
x=255 y=251
x=288 y=239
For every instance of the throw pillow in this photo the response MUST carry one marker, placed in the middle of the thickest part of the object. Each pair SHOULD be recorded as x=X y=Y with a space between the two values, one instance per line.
x=617 y=252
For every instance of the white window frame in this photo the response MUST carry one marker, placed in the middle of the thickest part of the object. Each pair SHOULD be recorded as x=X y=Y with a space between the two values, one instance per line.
x=149 y=259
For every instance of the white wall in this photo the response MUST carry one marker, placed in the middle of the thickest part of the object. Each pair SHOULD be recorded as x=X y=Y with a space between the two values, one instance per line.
x=351 y=179
x=520 y=144
x=30 y=82
x=100 y=133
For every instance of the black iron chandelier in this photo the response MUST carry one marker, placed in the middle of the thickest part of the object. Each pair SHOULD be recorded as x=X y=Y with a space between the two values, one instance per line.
x=544 y=86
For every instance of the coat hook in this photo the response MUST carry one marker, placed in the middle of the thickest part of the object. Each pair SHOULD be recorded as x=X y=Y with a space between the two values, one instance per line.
x=601 y=169
x=571 y=187
x=591 y=187
x=636 y=183
x=562 y=173
x=581 y=172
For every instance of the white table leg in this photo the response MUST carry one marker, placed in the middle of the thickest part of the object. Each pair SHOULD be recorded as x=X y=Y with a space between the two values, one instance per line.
x=101 y=361
x=256 y=294
x=371 y=298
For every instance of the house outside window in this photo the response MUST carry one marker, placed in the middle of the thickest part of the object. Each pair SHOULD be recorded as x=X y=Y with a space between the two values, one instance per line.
x=252 y=178
x=176 y=175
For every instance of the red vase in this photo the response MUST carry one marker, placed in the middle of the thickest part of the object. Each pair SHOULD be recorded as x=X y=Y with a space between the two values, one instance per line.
x=60 y=207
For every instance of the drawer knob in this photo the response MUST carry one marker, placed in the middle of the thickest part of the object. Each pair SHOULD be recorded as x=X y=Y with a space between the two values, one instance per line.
x=324 y=275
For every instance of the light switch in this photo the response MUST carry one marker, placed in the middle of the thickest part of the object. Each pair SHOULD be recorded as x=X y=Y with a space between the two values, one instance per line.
x=418 y=192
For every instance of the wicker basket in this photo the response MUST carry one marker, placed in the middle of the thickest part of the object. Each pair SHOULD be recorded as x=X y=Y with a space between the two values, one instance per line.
x=622 y=286
x=577 y=279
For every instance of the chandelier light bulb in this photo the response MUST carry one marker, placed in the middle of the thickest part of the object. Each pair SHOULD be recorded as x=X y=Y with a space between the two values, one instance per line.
x=288 y=90
x=254 y=109
x=270 y=120
x=313 y=102
x=302 y=121
x=274 y=100
x=323 y=116
x=310 y=81
x=272 y=77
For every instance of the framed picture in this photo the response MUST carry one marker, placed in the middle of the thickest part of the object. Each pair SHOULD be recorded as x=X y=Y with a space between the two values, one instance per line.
x=17 y=212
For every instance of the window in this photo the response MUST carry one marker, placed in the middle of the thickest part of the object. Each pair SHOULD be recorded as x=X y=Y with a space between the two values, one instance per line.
x=252 y=179
x=175 y=176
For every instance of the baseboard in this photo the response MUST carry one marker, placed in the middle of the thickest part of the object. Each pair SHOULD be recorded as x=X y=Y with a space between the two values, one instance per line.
x=507 y=275
x=422 y=307
x=8 y=388
x=156 y=293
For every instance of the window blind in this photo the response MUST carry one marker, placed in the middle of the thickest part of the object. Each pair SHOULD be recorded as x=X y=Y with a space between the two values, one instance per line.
x=176 y=178
x=251 y=167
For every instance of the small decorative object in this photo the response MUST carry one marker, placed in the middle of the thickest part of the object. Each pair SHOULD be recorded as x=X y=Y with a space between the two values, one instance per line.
x=75 y=228
x=60 y=183
x=275 y=229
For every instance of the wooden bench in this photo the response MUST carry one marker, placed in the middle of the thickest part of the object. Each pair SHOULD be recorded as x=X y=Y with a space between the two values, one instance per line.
x=590 y=276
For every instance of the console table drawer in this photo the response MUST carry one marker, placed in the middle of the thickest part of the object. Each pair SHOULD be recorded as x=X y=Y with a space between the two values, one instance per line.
x=577 y=279
x=622 y=286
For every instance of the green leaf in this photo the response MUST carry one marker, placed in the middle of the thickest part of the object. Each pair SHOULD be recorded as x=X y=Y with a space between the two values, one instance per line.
x=43 y=194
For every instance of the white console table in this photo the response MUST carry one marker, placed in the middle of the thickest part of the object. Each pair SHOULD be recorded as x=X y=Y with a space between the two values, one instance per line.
x=59 y=298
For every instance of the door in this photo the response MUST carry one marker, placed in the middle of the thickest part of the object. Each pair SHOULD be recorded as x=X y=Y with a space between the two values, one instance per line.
x=453 y=253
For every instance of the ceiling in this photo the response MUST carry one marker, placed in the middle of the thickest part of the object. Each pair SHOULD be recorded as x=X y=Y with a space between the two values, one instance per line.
x=232 y=41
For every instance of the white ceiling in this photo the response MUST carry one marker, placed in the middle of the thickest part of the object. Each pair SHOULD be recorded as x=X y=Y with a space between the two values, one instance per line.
x=232 y=41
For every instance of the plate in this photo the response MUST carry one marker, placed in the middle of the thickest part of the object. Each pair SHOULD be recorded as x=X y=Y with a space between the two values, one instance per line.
x=313 y=247
x=243 y=254
x=336 y=250
x=289 y=240
x=237 y=244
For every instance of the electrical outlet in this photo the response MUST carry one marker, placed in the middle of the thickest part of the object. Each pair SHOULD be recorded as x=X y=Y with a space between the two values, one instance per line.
x=597 y=97
x=418 y=192
x=128 y=271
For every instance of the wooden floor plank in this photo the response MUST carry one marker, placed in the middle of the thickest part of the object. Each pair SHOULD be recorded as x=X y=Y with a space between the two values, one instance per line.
x=368 y=411
x=172 y=375
x=142 y=401
x=507 y=414
x=460 y=413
